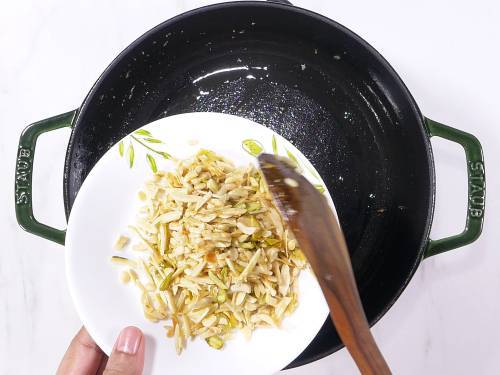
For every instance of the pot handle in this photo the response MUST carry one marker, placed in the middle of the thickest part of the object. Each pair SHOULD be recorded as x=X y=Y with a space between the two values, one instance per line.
x=24 y=175
x=476 y=188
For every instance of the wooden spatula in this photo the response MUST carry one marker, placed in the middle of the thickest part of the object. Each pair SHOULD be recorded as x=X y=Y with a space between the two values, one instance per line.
x=322 y=241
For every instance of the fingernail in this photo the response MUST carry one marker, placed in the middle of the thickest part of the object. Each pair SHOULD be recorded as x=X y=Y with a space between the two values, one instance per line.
x=129 y=340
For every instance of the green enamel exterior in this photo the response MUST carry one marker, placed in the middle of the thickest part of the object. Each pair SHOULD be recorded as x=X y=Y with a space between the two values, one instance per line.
x=476 y=189
x=24 y=175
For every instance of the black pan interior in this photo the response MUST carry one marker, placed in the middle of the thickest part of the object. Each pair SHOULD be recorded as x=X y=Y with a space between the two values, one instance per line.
x=312 y=81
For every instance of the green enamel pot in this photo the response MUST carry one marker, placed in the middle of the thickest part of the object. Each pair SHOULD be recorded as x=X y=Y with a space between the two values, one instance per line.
x=311 y=80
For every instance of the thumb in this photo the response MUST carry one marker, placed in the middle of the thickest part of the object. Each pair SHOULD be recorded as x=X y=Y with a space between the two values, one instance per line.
x=127 y=357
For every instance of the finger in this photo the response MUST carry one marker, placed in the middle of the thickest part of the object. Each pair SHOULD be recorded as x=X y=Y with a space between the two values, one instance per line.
x=83 y=356
x=127 y=357
x=102 y=366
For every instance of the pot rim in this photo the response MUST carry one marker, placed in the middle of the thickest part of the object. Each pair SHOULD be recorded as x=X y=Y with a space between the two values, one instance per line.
x=319 y=18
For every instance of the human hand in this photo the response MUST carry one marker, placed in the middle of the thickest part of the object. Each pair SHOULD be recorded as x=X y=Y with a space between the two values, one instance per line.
x=84 y=357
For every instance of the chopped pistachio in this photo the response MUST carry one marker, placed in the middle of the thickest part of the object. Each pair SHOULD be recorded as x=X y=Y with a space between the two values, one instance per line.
x=122 y=260
x=253 y=206
x=166 y=282
x=272 y=241
x=247 y=245
x=216 y=280
x=215 y=342
x=221 y=296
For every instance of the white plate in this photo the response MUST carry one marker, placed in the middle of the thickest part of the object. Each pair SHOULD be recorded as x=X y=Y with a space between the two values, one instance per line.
x=106 y=204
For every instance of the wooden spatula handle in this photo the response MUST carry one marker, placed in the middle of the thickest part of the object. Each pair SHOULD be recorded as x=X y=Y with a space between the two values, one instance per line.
x=323 y=243
x=320 y=237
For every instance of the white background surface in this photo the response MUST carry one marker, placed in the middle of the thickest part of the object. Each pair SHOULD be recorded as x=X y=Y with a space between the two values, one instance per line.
x=447 y=52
